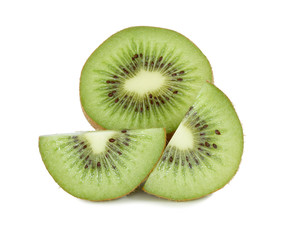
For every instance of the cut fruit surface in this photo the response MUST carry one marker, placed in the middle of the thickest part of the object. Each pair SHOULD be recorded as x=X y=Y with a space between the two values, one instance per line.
x=204 y=152
x=102 y=165
x=142 y=77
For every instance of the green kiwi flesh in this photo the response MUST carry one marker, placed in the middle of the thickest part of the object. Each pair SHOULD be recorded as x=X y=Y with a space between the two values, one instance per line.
x=102 y=165
x=142 y=77
x=204 y=152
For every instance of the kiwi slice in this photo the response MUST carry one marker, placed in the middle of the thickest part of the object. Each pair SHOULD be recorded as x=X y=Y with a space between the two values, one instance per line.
x=142 y=77
x=204 y=152
x=102 y=165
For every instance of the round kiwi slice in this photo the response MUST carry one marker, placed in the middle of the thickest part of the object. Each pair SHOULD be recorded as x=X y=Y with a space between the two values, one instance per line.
x=142 y=77
x=102 y=165
x=204 y=152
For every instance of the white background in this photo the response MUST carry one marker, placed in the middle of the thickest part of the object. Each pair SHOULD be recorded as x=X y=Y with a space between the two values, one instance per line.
x=253 y=47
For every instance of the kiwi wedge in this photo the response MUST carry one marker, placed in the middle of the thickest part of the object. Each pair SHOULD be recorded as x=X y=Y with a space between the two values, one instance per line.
x=142 y=77
x=102 y=165
x=204 y=152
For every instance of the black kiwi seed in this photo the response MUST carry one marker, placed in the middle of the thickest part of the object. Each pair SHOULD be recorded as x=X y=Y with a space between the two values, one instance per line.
x=207 y=144
x=123 y=131
x=200 y=149
x=86 y=166
x=179 y=79
x=174 y=74
x=197 y=125
x=117 y=100
x=205 y=126
x=160 y=58
x=107 y=81
x=110 y=94
x=125 y=143
x=181 y=72
x=119 y=153
x=98 y=164
x=87 y=157
x=208 y=154
x=175 y=92
x=202 y=134
x=125 y=71
x=217 y=132
x=150 y=95
x=171 y=159
x=75 y=146
x=190 y=165
x=196 y=161
x=215 y=145
x=112 y=140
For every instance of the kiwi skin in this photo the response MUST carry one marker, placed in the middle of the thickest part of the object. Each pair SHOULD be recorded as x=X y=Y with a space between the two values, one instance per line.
x=91 y=121
x=184 y=200
x=95 y=125
x=121 y=195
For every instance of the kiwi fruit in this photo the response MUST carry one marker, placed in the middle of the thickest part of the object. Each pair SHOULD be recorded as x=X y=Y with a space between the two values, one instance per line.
x=102 y=165
x=142 y=77
x=204 y=152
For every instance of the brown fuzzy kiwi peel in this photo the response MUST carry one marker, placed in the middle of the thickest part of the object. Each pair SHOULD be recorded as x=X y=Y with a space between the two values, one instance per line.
x=91 y=121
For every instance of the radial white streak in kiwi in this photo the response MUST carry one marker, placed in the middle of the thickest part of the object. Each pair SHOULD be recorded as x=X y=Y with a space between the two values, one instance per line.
x=98 y=140
x=145 y=82
x=183 y=138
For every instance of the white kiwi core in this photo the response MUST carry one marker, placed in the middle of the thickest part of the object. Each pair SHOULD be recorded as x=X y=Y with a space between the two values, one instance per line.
x=98 y=140
x=144 y=82
x=183 y=138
